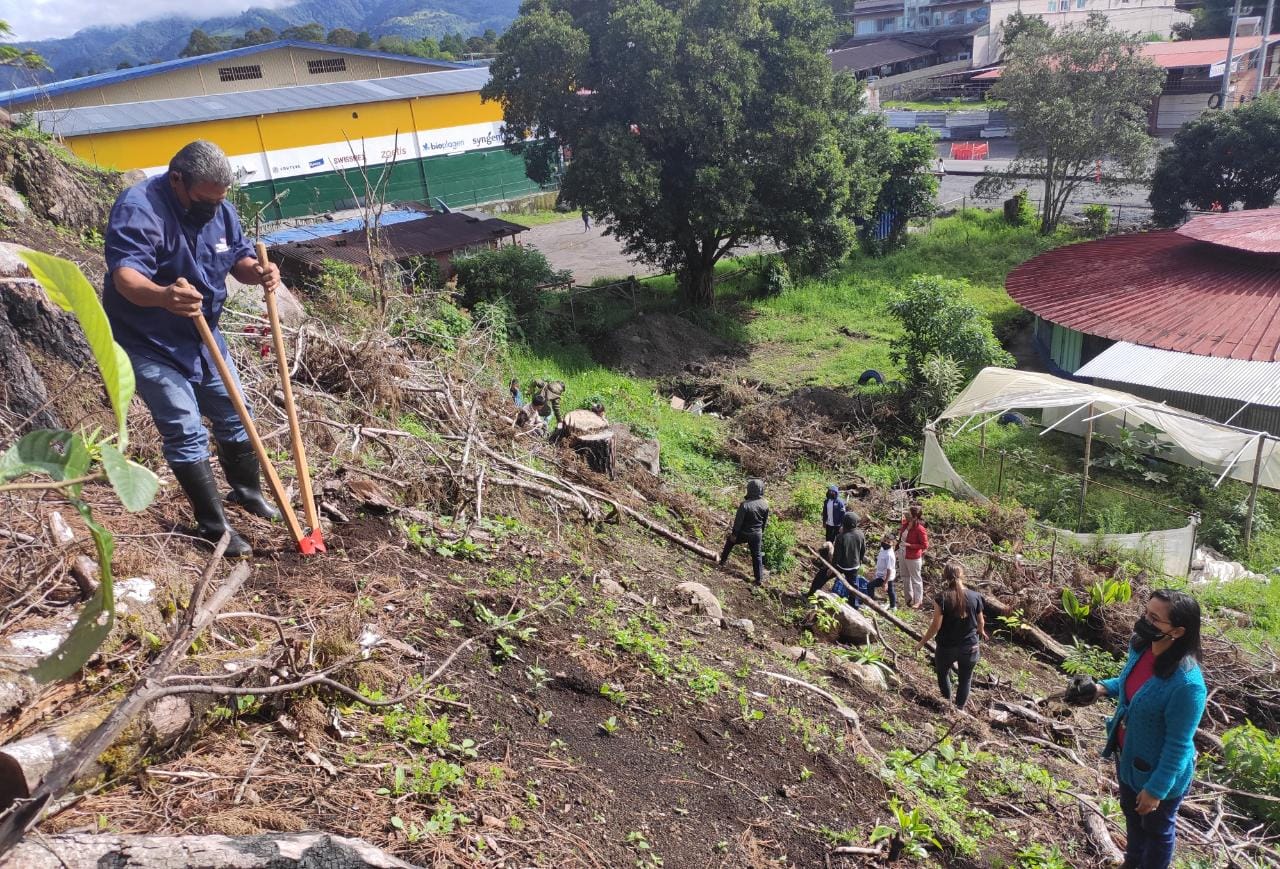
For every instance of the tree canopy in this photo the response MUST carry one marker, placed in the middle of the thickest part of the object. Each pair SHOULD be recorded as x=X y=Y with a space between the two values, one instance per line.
x=1078 y=98
x=11 y=56
x=695 y=126
x=910 y=188
x=1220 y=160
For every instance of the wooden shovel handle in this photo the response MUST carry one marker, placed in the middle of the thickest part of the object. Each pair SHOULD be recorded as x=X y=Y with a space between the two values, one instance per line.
x=295 y=430
x=268 y=469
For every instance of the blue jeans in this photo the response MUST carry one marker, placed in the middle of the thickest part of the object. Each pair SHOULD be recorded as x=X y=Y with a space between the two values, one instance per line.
x=176 y=405
x=851 y=579
x=1150 y=836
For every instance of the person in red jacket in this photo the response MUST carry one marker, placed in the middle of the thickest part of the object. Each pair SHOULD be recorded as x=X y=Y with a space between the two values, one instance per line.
x=913 y=540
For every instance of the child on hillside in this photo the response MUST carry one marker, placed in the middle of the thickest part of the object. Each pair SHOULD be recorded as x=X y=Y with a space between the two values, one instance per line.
x=886 y=571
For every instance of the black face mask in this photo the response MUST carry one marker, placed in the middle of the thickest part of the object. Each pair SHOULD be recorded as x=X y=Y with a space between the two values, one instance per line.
x=200 y=212
x=1147 y=632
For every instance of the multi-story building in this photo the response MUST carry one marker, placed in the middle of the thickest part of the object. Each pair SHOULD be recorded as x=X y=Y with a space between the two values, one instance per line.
x=973 y=29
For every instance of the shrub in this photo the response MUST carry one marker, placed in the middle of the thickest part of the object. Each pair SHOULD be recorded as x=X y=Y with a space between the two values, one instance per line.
x=776 y=278
x=778 y=542
x=1251 y=762
x=1097 y=219
x=938 y=320
x=514 y=274
x=340 y=283
x=1018 y=210
x=806 y=502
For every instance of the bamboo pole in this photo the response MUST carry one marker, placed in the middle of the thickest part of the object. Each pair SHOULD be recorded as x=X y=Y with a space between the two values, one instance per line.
x=1253 y=492
x=268 y=469
x=1084 y=480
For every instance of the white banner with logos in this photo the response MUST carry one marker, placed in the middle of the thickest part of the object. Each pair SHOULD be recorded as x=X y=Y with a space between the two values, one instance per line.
x=373 y=151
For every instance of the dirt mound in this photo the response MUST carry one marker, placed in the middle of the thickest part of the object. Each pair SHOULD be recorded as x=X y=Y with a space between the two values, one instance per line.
x=660 y=345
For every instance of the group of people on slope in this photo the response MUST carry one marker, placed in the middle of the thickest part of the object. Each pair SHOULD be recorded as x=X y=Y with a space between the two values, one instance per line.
x=846 y=549
x=1160 y=691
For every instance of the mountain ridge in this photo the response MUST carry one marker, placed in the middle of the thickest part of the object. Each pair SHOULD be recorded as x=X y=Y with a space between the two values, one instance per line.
x=102 y=48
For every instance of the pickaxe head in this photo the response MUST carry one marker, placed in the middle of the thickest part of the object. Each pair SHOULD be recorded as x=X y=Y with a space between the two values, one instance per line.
x=312 y=542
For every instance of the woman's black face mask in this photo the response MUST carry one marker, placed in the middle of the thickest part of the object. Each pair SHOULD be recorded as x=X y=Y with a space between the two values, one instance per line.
x=1147 y=632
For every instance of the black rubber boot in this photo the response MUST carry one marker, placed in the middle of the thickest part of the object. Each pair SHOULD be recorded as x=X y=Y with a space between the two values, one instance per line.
x=244 y=474
x=196 y=479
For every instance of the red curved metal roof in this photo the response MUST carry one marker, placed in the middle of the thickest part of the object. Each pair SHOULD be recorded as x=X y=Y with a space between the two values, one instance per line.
x=1256 y=231
x=1158 y=289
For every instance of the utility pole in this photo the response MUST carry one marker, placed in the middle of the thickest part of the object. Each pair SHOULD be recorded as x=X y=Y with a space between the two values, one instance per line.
x=1262 y=52
x=1231 y=53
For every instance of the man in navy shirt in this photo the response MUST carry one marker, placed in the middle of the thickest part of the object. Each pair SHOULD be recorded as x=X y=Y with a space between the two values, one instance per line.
x=171 y=242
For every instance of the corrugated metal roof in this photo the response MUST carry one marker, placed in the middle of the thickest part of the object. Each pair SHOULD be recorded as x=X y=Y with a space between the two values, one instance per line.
x=1238 y=379
x=1256 y=231
x=116 y=76
x=432 y=235
x=196 y=110
x=1178 y=54
x=1160 y=289
x=324 y=229
x=876 y=54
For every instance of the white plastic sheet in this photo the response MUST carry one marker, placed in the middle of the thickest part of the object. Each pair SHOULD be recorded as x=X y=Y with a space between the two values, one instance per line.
x=1171 y=548
x=1195 y=440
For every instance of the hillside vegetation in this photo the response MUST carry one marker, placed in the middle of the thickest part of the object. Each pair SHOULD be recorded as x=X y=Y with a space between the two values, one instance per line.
x=497 y=664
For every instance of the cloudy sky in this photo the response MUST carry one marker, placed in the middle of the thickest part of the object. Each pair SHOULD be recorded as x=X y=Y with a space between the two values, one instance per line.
x=43 y=19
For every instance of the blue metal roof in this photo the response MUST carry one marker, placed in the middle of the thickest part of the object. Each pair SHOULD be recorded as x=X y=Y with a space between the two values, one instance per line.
x=87 y=120
x=116 y=76
x=329 y=228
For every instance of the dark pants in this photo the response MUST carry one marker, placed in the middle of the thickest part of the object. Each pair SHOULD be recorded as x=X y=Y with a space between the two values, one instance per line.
x=832 y=531
x=964 y=659
x=1150 y=836
x=820 y=578
x=757 y=555
x=888 y=587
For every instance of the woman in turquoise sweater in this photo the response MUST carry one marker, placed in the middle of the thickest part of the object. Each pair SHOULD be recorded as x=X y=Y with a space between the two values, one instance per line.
x=1161 y=696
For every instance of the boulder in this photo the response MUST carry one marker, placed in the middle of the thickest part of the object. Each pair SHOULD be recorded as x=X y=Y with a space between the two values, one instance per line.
x=860 y=675
x=248 y=297
x=700 y=598
x=854 y=627
x=12 y=202
x=746 y=626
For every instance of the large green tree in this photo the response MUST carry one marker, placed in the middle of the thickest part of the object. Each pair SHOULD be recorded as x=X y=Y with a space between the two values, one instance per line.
x=1220 y=159
x=694 y=126
x=1078 y=101
x=910 y=189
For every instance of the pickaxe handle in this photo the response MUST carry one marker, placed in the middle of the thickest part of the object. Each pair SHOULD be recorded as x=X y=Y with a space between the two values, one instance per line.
x=313 y=536
x=273 y=479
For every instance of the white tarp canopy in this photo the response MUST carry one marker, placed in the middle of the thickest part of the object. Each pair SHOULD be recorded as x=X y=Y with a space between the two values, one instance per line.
x=1195 y=440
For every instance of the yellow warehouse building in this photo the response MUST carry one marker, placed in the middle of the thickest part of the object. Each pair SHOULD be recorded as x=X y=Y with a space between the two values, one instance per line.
x=300 y=150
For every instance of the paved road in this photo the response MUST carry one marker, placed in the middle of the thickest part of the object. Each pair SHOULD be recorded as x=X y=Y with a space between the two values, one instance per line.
x=591 y=254
x=957 y=189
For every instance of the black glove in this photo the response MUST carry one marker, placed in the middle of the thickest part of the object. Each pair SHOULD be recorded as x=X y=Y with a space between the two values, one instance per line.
x=1081 y=691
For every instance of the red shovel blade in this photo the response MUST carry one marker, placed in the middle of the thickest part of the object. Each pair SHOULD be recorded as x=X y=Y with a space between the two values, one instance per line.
x=312 y=543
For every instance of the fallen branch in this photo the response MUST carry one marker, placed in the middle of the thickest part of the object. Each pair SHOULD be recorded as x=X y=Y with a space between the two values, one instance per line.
x=267 y=851
x=841 y=707
x=199 y=615
x=1095 y=829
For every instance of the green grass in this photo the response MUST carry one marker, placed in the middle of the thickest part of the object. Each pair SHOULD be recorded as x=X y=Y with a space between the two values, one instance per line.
x=827 y=331
x=689 y=443
x=539 y=218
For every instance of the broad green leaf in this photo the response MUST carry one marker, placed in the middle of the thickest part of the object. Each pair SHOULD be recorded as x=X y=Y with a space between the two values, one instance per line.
x=55 y=452
x=67 y=286
x=96 y=619
x=135 y=484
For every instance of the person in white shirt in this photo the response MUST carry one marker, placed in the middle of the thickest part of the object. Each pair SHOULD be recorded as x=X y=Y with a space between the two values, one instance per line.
x=886 y=571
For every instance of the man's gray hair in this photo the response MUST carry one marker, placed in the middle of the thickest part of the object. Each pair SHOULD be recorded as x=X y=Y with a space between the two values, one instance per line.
x=201 y=162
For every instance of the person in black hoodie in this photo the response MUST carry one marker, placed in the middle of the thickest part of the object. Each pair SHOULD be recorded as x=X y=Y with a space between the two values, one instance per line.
x=851 y=549
x=748 y=528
